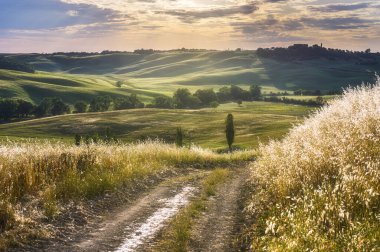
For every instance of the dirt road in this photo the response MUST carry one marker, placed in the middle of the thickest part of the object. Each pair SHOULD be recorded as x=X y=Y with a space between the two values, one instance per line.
x=216 y=229
x=135 y=225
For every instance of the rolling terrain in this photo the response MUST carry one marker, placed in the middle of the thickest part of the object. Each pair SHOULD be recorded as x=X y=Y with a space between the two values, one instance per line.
x=79 y=76
x=255 y=121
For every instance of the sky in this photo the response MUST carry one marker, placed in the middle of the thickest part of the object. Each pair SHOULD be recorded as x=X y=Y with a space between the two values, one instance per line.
x=95 y=25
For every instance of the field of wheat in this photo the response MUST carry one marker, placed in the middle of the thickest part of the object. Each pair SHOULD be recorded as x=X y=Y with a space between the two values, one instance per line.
x=319 y=188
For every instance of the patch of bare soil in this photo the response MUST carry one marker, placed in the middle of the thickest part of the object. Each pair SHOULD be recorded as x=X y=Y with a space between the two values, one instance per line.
x=217 y=229
x=103 y=224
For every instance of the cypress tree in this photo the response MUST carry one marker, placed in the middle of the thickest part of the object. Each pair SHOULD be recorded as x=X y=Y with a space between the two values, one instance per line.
x=179 y=137
x=230 y=131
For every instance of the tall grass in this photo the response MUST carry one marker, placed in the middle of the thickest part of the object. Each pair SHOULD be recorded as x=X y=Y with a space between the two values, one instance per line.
x=319 y=188
x=54 y=173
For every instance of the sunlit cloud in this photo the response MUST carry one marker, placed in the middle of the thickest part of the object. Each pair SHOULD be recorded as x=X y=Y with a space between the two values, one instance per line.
x=77 y=25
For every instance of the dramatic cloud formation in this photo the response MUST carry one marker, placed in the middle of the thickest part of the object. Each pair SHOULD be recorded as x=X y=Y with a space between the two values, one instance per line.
x=193 y=16
x=95 y=25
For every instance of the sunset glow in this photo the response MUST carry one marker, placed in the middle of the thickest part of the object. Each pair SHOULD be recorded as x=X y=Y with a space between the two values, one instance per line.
x=96 y=25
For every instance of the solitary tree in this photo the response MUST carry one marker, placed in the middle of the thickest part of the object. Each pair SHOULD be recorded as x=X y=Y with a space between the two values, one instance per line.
x=179 y=137
x=230 y=131
x=78 y=139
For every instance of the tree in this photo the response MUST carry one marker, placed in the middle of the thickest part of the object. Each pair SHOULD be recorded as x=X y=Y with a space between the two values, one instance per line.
x=128 y=102
x=214 y=104
x=80 y=107
x=163 y=102
x=44 y=108
x=183 y=99
x=255 y=91
x=100 y=103
x=78 y=139
x=206 y=96
x=239 y=93
x=179 y=137
x=8 y=108
x=59 y=107
x=119 y=84
x=368 y=50
x=224 y=94
x=230 y=131
x=25 y=108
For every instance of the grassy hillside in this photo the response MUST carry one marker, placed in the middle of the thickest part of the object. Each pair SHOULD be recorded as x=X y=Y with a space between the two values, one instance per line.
x=253 y=121
x=164 y=71
x=318 y=189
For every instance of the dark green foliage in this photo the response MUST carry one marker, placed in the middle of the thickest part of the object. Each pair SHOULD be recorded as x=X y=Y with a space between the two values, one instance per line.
x=8 y=108
x=80 y=107
x=163 y=102
x=314 y=103
x=230 y=131
x=100 y=103
x=255 y=91
x=10 y=64
x=51 y=106
x=305 y=52
x=183 y=99
x=44 y=108
x=179 y=137
x=206 y=96
x=119 y=83
x=25 y=108
x=237 y=93
x=224 y=94
x=59 y=107
x=128 y=102
x=78 y=139
x=214 y=104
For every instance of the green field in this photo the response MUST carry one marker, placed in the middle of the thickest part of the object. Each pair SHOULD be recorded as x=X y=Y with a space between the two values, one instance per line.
x=254 y=122
x=81 y=77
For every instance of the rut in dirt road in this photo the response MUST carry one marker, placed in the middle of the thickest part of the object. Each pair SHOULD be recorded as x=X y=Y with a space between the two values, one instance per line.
x=137 y=225
x=215 y=230
x=133 y=227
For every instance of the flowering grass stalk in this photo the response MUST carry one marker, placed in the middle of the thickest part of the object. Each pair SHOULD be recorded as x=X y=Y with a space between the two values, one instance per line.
x=319 y=188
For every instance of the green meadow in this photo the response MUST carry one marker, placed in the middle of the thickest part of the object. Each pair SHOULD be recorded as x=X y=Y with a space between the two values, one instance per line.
x=254 y=121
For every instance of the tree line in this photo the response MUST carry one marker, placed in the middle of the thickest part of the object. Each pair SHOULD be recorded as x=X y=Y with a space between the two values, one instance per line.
x=306 y=52
x=51 y=106
x=184 y=99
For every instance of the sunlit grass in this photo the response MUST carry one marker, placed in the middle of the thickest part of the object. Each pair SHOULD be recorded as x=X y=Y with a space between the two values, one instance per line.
x=319 y=188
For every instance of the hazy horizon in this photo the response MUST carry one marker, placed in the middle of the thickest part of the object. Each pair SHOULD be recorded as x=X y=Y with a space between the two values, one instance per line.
x=50 y=26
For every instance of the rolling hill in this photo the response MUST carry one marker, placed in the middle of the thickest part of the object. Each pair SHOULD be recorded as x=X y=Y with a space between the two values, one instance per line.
x=204 y=127
x=74 y=76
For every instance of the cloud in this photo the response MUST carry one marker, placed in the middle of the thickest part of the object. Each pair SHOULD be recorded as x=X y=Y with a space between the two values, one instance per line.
x=340 y=7
x=338 y=23
x=193 y=16
x=47 y=14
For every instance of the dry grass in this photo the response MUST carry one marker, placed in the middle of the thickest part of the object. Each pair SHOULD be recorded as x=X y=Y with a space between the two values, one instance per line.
x=50 y=174
x=319 y=188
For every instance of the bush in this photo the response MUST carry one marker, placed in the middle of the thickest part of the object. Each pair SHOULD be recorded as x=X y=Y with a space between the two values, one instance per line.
x=319 y=188
x=80 y=107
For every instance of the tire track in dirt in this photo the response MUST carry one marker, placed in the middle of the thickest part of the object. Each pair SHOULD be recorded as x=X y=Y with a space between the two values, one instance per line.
x=216 y=229
x=130 y=228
